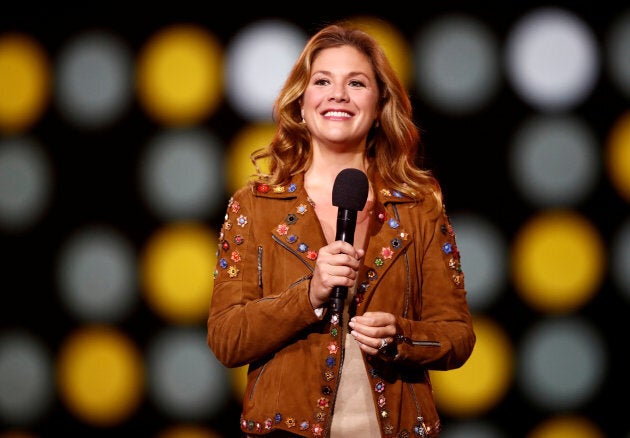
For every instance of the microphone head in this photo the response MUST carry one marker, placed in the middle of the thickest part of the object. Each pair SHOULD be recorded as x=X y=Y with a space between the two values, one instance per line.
x=351 y=189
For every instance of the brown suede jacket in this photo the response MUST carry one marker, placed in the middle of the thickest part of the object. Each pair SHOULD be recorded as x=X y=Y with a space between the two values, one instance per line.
x=261 y=315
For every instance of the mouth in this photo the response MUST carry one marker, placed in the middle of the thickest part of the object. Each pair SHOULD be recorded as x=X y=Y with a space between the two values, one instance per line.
x=339 y=114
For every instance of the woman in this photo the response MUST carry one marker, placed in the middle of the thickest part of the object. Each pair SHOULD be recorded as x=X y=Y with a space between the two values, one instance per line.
x=363 y=370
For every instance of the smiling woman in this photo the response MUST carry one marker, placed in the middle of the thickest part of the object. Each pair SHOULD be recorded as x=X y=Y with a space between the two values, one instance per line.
x=341 y=108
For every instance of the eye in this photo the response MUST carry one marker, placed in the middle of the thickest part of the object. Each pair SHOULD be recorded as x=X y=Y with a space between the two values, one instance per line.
x=356 y=83
x=321 y=81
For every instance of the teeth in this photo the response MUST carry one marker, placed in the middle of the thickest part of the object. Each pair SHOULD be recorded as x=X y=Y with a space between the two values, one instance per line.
x=337 y=114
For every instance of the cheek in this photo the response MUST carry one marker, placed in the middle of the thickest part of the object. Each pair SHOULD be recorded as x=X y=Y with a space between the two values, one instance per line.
x=310 y=100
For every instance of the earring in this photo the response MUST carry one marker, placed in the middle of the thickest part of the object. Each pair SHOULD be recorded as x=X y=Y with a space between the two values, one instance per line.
x=303 y=122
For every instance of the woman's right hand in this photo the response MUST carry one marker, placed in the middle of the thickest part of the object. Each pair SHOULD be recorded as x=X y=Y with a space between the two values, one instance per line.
x=337 y=265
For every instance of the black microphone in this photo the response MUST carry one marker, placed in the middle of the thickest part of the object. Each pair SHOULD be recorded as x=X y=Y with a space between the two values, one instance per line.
x=350 y=194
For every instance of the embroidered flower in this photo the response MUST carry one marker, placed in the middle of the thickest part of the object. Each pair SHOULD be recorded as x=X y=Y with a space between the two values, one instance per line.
x=385 y=192
x=302 y=208
x=268 y=423
x=381 y=216
x=387 y=252
x=333 y=347
x=393 y=223
x=223 y=263
x=311 y=255
x=227 y=226
x=381 y=400
x=318 y=430
x=278 y=189
x=242 y=221
x=292 y=187
x=380 y=386
x=282 y=229
x=302 y=247
x=447 y=248
x=322 y=403
x=232 y=271
x=379 y=262
x=292 y=238
x=236 y=206
x=262 y=188
x=236 y=257
x=290 y=422
x=238 y=239
x=304 y=425
x=225 y=245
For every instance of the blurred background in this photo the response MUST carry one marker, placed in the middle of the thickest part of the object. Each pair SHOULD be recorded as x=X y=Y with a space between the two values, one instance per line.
x=123 y=134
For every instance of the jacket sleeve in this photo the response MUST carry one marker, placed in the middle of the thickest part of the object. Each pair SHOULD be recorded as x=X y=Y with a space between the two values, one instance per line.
x=247 y=320
x=440 y=334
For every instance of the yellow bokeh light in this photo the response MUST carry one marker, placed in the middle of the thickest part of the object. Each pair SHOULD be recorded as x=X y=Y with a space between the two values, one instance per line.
x=239 y=165
x=566 y=427
x=24 y=82
x=558 y=261
x=177 y=267
x=618 y=156
x=394 y=44
x=239 y=380
x=101 y=375
x=482 y=382
x=180 y=75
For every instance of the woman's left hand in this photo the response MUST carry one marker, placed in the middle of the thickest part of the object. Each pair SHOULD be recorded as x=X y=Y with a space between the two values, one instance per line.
x=373 y=330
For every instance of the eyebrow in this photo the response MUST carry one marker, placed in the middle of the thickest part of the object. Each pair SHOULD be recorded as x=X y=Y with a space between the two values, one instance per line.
x=352 y=73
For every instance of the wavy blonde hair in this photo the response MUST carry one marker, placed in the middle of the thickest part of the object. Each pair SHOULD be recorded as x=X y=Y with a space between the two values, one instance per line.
x=392 y=146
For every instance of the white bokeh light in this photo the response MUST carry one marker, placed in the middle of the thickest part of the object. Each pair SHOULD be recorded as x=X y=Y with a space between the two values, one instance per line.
x=181 y=174
x=555 y=161
x=96 y=274
x=456 y=62
x=259 y=59
x=562 y=363
x=94 y=79
x=26 y=183
x=484 y=258
x=186 y=380
x=552 y=59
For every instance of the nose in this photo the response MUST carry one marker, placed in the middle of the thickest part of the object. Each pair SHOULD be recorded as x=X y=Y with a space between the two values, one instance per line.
x=339 y=94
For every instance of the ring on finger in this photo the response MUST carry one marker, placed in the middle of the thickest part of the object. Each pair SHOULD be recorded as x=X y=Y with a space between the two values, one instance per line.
x=384 y=343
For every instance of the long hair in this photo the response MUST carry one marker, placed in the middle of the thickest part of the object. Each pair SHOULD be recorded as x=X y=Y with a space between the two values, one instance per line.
x=392 y=146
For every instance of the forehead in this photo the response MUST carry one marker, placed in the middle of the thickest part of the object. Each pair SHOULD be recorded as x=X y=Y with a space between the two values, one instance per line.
x=342 y=58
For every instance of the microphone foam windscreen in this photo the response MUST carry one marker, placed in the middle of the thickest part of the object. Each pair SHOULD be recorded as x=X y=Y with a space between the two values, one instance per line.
x=350 y=190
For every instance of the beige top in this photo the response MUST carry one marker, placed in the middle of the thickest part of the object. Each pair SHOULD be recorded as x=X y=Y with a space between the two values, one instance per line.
x=354 y=413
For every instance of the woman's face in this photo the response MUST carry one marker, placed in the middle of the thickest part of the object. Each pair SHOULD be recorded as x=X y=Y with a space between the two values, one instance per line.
x=340 y=101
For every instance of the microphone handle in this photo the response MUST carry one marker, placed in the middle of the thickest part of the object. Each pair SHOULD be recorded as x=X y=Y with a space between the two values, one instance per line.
x=346 y=224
